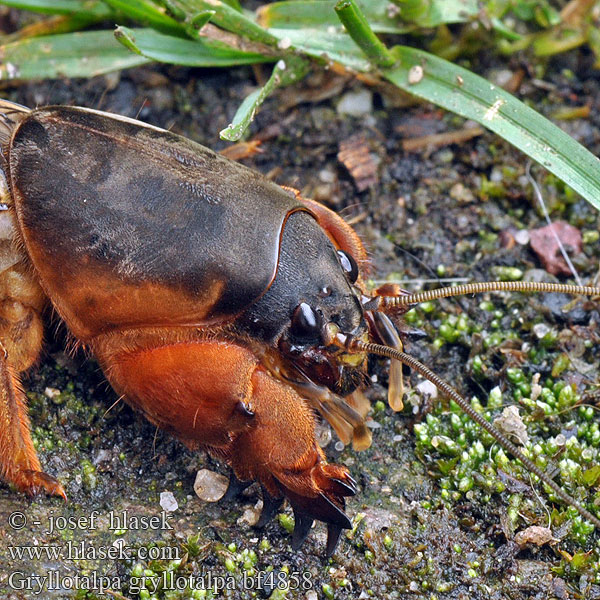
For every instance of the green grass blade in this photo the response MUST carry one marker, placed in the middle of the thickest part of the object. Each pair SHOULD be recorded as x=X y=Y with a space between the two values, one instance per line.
x=196 y=23
x=193 y=53
x=360 y=31
x=320 y=14
x=437 y=12
x=61 y=7
x=147 y=14
x=285 y=72
x=234 y=4
x=472 y=97
x=65 y=55
x=321 y=44
x=225 y=17
x=383 y=17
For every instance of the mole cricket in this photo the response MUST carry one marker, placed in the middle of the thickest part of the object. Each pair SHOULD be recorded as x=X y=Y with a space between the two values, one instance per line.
x=227 y=309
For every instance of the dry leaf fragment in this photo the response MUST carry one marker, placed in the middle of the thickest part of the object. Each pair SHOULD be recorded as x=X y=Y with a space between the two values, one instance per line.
x=535 y=535
x=511 y=424
x=545 y=245
x=356 y=156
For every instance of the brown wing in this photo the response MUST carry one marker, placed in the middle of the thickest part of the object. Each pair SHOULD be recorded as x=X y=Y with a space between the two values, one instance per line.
x=130 y=225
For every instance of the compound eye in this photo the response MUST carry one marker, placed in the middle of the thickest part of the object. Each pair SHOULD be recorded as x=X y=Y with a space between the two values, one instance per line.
x=349 y=265
x=304 y=322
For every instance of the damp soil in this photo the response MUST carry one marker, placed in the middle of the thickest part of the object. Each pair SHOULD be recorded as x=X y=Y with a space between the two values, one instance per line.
x=438 y=212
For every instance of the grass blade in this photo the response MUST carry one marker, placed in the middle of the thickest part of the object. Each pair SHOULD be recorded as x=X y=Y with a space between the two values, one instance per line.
x=383 y=17
x=437 y=12
x=66 y=55
x=472 y=97
x=225 y=17
x=320 y=14
x=147 y=14
x=61 y=7
x=321 y=44
x=292 y=70
x=359 y=29
x=193 y=53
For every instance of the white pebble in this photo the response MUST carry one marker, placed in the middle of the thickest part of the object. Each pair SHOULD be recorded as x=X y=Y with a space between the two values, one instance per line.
x=210 y=486
x=426 y=388
x=326 y=176
x=168 y=501
x=251 y=515
x=522 y=237
x=540 y=330
x=356 y=104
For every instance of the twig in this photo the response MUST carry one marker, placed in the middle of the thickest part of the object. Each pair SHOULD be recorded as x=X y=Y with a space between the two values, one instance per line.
x=441 y=139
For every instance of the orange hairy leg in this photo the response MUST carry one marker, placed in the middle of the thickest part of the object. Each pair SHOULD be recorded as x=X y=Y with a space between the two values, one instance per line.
x=286 y=458
x=198 y=390
x=216 y=396
x=21 y=331
x=19 y=463
x=21 y=300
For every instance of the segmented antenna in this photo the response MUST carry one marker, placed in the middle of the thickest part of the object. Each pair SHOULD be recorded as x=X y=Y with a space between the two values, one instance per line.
x=406 y=300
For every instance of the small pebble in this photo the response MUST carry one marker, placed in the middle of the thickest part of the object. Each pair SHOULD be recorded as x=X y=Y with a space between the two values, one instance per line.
x=540 y=330
x=210 y=486
x=356 y=104
x=426 y=388
x=323 y=434
x=522 y=237
x=168 y=501
x=327 y=176
x=461 y=194
x=251 y=515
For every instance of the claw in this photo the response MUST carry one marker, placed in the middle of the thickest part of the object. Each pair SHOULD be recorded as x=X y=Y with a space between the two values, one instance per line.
x=36 y=481
x=302 y=525
x=320 y=508
x=348 y=486
x=270 y=508
x=235 y=488
x=333 y=537
x=327 y=505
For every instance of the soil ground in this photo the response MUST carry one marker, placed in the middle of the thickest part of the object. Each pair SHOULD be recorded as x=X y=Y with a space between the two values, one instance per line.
x=448 y=211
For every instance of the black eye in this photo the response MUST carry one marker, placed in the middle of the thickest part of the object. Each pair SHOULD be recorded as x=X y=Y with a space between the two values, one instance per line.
x=304 y=322
x=349 y=265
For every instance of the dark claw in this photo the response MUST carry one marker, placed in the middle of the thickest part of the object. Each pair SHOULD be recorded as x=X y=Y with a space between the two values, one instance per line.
x=270 y=508
x=333 y=537
x=348 y=486
x=235 y=488
x=302 y=526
